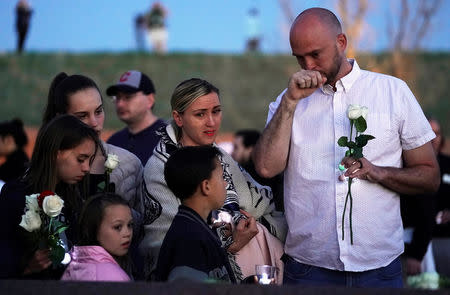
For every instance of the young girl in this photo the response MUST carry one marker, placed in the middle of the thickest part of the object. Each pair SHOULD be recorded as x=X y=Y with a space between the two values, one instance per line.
x=12 y=142
x=106 y=229
x=79 y=96
x=63 y=153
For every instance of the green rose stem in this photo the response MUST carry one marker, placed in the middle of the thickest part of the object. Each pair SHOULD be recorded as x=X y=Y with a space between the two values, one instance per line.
x=351 y=130
x=108 y=171
x=349 y=194
x=50 y=237
x=50 y=225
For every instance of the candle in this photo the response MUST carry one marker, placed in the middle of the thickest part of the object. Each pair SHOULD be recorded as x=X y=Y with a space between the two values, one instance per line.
x=264 y=280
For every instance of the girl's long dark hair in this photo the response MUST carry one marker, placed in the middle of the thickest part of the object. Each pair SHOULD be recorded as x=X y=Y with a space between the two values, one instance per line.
x=62 y=133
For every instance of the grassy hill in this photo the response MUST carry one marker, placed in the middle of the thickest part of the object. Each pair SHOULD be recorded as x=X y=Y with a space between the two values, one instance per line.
x=248 y=83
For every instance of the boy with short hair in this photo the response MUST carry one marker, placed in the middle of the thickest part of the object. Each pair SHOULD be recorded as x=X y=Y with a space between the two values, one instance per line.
x=191 y=249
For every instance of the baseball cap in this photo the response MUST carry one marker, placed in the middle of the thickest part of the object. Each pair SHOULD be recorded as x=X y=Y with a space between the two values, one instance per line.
x=131 y=82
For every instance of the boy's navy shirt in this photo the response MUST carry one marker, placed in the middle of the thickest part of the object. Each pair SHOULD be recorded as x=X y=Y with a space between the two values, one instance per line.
x=191 y=249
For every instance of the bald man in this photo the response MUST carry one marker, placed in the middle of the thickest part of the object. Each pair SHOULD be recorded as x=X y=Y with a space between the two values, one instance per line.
x=300 y=138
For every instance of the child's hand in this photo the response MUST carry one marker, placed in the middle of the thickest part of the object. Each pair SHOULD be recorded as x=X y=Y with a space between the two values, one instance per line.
x=245 y=213
x=244 y=231
x=38 y=262
x=226 y=228
x=446 y=216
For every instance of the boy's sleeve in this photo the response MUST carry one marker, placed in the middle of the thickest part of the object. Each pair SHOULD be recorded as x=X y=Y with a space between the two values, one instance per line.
x=188 y=273
x=189 y=261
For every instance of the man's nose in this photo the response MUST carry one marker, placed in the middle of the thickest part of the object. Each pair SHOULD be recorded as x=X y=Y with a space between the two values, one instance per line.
x=119 y=101
x=309 y=63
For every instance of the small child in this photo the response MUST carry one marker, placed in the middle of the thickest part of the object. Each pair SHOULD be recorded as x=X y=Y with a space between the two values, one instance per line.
x=106 y=230
x=191 y=249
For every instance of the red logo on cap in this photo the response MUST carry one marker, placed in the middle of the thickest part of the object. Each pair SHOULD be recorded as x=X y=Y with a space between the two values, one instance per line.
x=124 y=77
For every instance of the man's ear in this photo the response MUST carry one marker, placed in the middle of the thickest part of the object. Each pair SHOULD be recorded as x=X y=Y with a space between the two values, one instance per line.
x=150 y=100
x=205 y=187
x=341 y=41
x=177 y=118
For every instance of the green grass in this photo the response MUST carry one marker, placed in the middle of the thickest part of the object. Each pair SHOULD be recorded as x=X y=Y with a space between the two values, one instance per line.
x=248 y=83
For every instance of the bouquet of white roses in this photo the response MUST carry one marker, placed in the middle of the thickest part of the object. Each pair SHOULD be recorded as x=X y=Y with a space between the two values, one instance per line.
x=40 y=220
x=357 y=116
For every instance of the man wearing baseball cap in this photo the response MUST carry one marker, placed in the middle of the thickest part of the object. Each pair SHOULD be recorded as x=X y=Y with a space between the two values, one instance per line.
x=134 y=96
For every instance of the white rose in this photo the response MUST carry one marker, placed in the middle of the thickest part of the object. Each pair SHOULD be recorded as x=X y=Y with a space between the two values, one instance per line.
x=52 y=205
x=112 y=161
x=32 y=202
x=364 y=112
x=354 y=111
x=31 y=221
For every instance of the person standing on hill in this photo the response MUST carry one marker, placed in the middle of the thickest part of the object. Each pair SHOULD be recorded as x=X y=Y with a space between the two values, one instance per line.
x=134 y=98
x=253 y=31
x=157 y=31
x=140 y=31
x=303 y=127
x=23 y=16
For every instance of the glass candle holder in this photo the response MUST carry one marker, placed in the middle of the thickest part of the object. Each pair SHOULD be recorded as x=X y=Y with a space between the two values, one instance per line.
x=265 y=274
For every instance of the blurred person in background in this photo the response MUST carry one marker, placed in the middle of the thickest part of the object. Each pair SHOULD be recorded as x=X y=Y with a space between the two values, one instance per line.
x=23 y=16
x=157 y=31
x=418 y=217
x=441 y=234
x=243 y=143
x=13 y=140
x=253 y=30
x=140 y=28
x=443 y=194
x=134 y=97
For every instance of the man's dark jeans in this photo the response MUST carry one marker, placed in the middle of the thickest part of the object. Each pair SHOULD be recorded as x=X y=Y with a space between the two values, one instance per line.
x=298 y=273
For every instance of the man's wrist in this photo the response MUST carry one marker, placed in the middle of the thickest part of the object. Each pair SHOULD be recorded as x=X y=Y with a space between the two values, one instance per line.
x=288 y=104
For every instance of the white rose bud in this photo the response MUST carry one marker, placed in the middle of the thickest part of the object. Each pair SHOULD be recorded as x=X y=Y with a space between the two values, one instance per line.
x=354 y=111
x=32 y=202
x=364 y=112
x=31 y=221
x=112 y=162
x=52 y=205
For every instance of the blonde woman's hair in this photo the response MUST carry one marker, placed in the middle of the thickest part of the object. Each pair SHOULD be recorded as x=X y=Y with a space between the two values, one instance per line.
x=186 y=93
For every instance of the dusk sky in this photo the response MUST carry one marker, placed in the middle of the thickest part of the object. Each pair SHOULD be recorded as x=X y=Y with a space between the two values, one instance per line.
x=215 y=26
